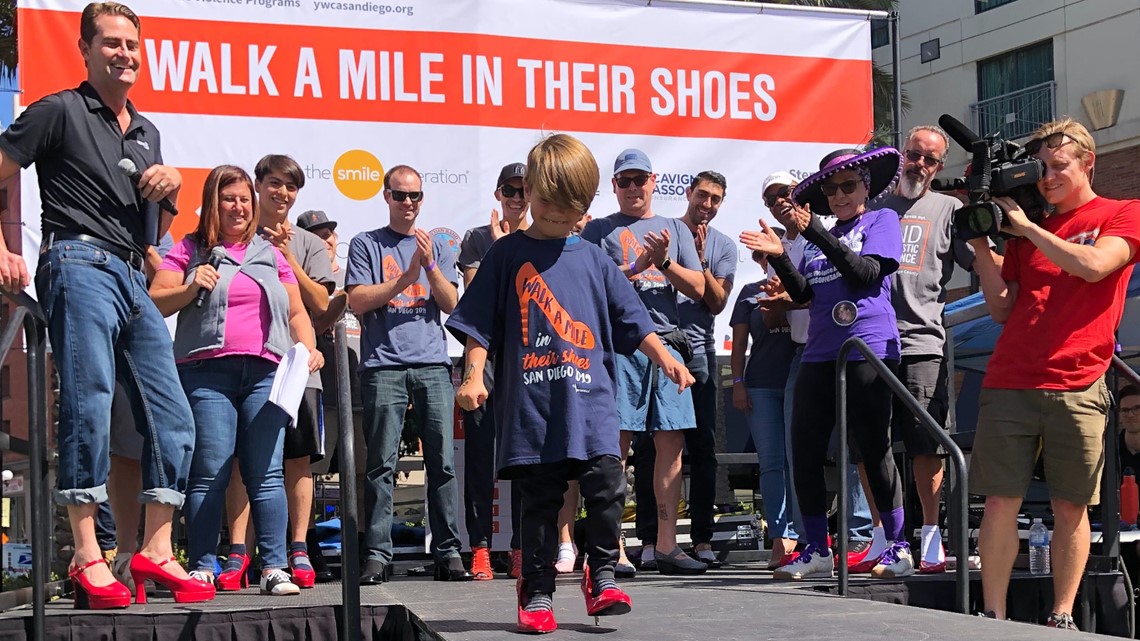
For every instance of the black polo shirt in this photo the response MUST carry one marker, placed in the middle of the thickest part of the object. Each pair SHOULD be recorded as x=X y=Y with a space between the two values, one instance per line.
x=76 y=144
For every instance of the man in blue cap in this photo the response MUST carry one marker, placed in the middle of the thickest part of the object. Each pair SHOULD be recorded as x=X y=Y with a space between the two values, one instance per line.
x=660 y=258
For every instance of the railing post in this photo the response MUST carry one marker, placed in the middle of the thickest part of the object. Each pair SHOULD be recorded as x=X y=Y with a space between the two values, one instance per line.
x=844 y=459
x=349 y=552
x=960 y=496
x=39 y=493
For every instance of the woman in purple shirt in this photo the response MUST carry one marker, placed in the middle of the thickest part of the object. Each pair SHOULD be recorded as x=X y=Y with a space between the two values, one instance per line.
x=845 y=277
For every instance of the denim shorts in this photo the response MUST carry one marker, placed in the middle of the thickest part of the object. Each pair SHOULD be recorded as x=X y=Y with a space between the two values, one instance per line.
x=643 y=406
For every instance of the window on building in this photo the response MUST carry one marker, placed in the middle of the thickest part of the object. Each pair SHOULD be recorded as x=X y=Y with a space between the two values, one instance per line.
x=1015 y=91
x=5 y=383
x=880 y=33
x=981 y=6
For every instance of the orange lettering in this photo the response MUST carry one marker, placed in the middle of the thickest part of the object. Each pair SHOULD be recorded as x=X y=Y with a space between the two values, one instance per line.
x=530 y=287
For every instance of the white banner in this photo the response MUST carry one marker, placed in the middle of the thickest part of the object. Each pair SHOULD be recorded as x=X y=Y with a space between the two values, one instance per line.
x=458 y=89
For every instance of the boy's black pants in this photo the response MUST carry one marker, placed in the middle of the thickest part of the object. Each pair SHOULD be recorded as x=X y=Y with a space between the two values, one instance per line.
x=602 y=486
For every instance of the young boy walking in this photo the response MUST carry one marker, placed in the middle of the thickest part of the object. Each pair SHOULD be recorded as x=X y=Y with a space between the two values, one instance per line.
x=554 y=310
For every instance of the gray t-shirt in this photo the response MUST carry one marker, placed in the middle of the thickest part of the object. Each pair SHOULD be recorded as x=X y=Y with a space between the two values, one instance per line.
x=930 y=250
x=474 y=247
x=621 y=237
x=696 y=317
x=313 y=255
x=406 y=331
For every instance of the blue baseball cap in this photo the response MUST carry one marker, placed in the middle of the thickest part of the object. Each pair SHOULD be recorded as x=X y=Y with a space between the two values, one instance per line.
x=632 y=159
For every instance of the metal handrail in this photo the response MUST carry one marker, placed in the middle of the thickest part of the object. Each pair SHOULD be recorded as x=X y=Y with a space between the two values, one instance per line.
x=349 y=552
x=29 y=314
x=959 y=498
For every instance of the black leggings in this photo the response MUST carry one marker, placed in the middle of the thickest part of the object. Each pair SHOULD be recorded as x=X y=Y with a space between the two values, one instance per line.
x=868 y=426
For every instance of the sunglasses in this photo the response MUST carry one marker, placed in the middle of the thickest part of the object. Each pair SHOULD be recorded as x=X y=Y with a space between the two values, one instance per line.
x=399 y=196
x=772 y=199
x=638 y=180
x=1129 y=411
x=848 y=187
x=511 y=192
x=928 y=161
x=1052 y=141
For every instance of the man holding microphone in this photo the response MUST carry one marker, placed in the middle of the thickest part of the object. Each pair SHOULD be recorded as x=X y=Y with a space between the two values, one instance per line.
x=90 y=283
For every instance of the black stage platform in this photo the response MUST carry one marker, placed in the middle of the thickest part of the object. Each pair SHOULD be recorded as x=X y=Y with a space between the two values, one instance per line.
x=737 y=602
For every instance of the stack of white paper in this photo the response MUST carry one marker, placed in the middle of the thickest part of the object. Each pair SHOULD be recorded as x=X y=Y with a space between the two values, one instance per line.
x=290 y=381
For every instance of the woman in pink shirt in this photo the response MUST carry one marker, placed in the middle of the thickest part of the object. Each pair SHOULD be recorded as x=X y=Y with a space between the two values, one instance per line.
x=239 y=310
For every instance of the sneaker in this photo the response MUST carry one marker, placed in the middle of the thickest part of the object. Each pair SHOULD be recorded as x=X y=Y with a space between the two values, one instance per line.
x=895 y=563
x=481 y=564
x=278 y=583
x=1062 y=620
x=810 y=564
x=516 y=564
x=567 y=555
x=201 y=575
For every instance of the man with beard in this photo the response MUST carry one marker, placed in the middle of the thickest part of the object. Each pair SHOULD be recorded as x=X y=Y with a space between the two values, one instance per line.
x=930 y=251
x=717 y=253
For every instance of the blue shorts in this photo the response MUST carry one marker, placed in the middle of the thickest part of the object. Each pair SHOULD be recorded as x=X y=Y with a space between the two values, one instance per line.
x=639 y=409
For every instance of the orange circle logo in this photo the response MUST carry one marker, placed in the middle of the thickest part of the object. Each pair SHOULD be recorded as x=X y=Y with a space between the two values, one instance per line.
x=358 y=174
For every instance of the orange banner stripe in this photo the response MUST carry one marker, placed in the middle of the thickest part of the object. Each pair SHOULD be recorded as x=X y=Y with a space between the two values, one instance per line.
x=775 y=98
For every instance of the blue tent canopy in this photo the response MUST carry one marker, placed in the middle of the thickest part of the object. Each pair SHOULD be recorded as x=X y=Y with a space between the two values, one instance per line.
x=974 y=333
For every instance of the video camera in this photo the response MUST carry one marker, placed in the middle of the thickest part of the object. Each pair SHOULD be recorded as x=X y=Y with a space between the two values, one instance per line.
x=998 y=168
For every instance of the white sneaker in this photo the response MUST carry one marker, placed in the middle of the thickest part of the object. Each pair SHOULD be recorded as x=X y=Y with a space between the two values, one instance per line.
x=810 y=564
x=896 y=562
x=278 y=583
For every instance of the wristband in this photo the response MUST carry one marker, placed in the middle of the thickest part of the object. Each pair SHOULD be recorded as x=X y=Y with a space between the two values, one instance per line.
x=633 y=268
x=430 y=266
x=737 y=380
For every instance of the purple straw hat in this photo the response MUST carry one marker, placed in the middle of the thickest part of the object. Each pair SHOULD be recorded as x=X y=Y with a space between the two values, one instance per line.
x=884 y=165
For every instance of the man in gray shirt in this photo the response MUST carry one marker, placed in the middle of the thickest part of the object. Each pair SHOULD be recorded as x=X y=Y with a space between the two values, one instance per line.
x=930 y=251
x=718 y=257
x=479 y=425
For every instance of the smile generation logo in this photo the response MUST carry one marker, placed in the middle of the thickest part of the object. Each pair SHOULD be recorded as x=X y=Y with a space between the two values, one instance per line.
x=358 y=174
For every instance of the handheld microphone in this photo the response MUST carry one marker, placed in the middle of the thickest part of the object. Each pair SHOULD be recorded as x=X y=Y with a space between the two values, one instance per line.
x=217 y=254
x=961 y=134
x=127 y=166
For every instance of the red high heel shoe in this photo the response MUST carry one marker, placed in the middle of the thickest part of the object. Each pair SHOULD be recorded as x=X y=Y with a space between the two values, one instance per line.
x=90 y=597
x=304 y=578
x=185 y=590
x=539 y=622
x=611 y=602
x=232 y=581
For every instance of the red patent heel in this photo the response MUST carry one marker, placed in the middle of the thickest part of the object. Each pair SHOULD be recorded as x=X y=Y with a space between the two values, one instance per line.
x=304 y=578
x=231 y=581
x=611 y=601
x=90 y=597
x=539 y=622
x=187 y=590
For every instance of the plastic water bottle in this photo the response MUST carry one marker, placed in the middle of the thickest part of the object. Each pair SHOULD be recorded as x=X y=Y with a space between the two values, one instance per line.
x=1038 y=548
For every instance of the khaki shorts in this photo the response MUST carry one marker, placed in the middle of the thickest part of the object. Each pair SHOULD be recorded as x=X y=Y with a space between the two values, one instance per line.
x=1065 y=428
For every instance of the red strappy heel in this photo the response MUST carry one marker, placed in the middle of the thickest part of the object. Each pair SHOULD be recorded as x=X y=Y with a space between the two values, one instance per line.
x=90 y=597
x=187 y=590
x=231 y=581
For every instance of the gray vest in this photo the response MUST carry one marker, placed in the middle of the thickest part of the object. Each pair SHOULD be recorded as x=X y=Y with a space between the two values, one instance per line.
x=204 y=328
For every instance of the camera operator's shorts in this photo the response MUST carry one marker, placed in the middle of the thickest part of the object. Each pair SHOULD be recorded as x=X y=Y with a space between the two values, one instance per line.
x=306 y=438
x=645 y=407
x=1065 y=427
x=925 y=377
